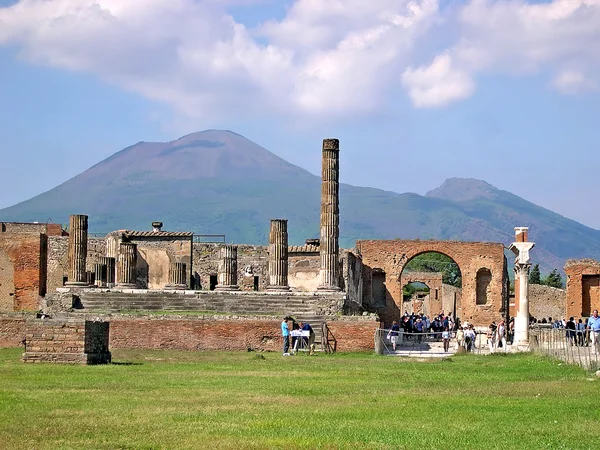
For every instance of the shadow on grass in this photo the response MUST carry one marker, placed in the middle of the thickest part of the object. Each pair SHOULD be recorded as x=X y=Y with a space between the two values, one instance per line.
x=126 y=363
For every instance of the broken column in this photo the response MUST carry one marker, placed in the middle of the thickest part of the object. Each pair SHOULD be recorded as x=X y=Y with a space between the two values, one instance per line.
x=78 y=234
x=100 y=274
x=521 y=249
x=330 y=216
x=127 y=270
x=177 y=277
x=278 y=256
x=228 y=269
x=109 y=263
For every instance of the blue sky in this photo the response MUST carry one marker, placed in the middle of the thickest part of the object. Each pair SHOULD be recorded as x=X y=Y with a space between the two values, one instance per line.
x=417 y=92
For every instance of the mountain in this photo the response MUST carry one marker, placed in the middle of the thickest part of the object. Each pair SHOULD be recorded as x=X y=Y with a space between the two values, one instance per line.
x=218 y=182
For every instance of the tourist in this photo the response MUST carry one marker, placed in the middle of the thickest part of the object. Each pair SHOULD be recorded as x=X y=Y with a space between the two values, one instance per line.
x=393 y=334
x=285 y=333
x=446 y=339
x=501 y=335
x=594 y=328
x=311 y=337
x=580 y=332
x=571 y=330
x=460 y=337
x=491 y=337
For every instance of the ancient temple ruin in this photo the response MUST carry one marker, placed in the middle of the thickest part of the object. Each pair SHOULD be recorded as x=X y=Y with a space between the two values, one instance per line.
x=139 y=280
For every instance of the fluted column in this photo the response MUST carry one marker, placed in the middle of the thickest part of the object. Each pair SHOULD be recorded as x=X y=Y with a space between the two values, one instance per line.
x=100 y=274
x=177 y=271
x=278 y=255
x=110 y=264
x=228 y=269
x=330 y=216
x=126 y=270
x=522 y=313
x=78 y=234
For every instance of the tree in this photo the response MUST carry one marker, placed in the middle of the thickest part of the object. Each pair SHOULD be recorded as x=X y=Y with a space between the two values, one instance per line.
x=436 y=262
x=534 y=275
x=554 y=279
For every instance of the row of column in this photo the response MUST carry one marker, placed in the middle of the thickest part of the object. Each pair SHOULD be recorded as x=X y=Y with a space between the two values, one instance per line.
x=121 y=271
x=278 y=245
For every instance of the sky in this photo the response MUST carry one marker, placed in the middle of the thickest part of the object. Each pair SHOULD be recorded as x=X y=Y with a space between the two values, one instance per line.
x=417 y=91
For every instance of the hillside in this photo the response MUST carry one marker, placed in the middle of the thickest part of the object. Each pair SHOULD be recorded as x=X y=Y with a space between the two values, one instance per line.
x=218 y=182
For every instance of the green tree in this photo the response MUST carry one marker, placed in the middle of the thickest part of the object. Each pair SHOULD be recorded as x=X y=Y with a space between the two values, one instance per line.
x=436 y=262
x=534 y=275
x=554 y=279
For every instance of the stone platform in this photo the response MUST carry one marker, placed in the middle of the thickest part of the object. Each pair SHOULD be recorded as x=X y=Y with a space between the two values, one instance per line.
x=70 y=341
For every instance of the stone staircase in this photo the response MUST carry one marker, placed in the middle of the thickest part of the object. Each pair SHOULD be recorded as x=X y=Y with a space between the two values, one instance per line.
x=309 y=308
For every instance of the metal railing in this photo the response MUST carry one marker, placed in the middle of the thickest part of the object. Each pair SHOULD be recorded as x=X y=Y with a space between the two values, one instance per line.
x=431 y=342
x=570 y=346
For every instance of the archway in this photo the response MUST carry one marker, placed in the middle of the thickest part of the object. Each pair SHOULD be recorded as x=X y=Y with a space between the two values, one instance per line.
x=442 y=275
x=391 y=257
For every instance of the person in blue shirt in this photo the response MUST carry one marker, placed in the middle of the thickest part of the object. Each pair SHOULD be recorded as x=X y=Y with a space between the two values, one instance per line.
x=285 y=332
x=393 y=334
x=311 y=337
x=594 y=327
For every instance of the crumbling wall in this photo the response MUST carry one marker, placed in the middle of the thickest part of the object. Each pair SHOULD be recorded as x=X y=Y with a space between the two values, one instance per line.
x=353 y=282
x=583 y=287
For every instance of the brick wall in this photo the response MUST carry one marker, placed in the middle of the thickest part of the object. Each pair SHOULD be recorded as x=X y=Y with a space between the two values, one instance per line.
x=206 y=333
x=12 y=331
x=49 y=229
x=26 y=255
x=66 y=341
x=583 y=287
x=392 y=257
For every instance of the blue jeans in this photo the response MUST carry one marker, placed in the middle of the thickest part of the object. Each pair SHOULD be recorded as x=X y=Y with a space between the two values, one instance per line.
x=286 y=344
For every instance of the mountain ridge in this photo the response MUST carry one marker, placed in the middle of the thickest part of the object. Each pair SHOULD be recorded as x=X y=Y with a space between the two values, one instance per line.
x=218 y=182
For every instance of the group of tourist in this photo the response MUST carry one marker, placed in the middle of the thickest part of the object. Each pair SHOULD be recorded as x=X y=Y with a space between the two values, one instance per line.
x=289 y=324
x=582 y=332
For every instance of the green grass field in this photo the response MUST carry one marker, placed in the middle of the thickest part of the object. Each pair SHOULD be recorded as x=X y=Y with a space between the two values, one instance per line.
x=171 y=399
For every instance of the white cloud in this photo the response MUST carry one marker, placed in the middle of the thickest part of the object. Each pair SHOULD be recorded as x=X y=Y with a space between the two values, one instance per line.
x=438 y=84
x=324 y=58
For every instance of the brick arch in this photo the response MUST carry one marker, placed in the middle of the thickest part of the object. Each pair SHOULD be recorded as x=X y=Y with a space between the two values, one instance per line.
x=434 y=281
x=392 y=257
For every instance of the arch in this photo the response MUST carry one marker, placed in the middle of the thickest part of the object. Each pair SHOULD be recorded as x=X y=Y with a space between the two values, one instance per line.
x=392 y=256
x=483 y=279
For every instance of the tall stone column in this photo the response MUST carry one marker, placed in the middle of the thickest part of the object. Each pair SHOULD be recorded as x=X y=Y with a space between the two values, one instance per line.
x=127 y=270
x=100 y=274
x=278 y=256
x=227 y=269
x=78 y=234
x=110 y=264
x=330 y=216
x=177 y=272
x=521 y=249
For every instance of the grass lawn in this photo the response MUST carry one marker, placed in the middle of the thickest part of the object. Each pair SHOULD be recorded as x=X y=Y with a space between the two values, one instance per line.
x=172 y=399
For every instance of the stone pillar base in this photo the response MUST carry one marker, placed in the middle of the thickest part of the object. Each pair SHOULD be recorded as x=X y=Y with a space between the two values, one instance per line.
x=178 y=287
x=278 y=288
x=126 y=286
x=329 y=288
x=77 y=284
x=227 y=288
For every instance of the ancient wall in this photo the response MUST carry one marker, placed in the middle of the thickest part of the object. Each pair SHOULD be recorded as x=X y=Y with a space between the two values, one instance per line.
x=431 y=303
x=252 y=265
x=352 y=271
x=66 y=341
x=57 y=260
x=546 y=301
x=583 y=287
x=155 y=255
x=392 y=256
x=451 y=298
x=25 y=255
x=304 y=264
x=12 y=330
x=49 y=229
